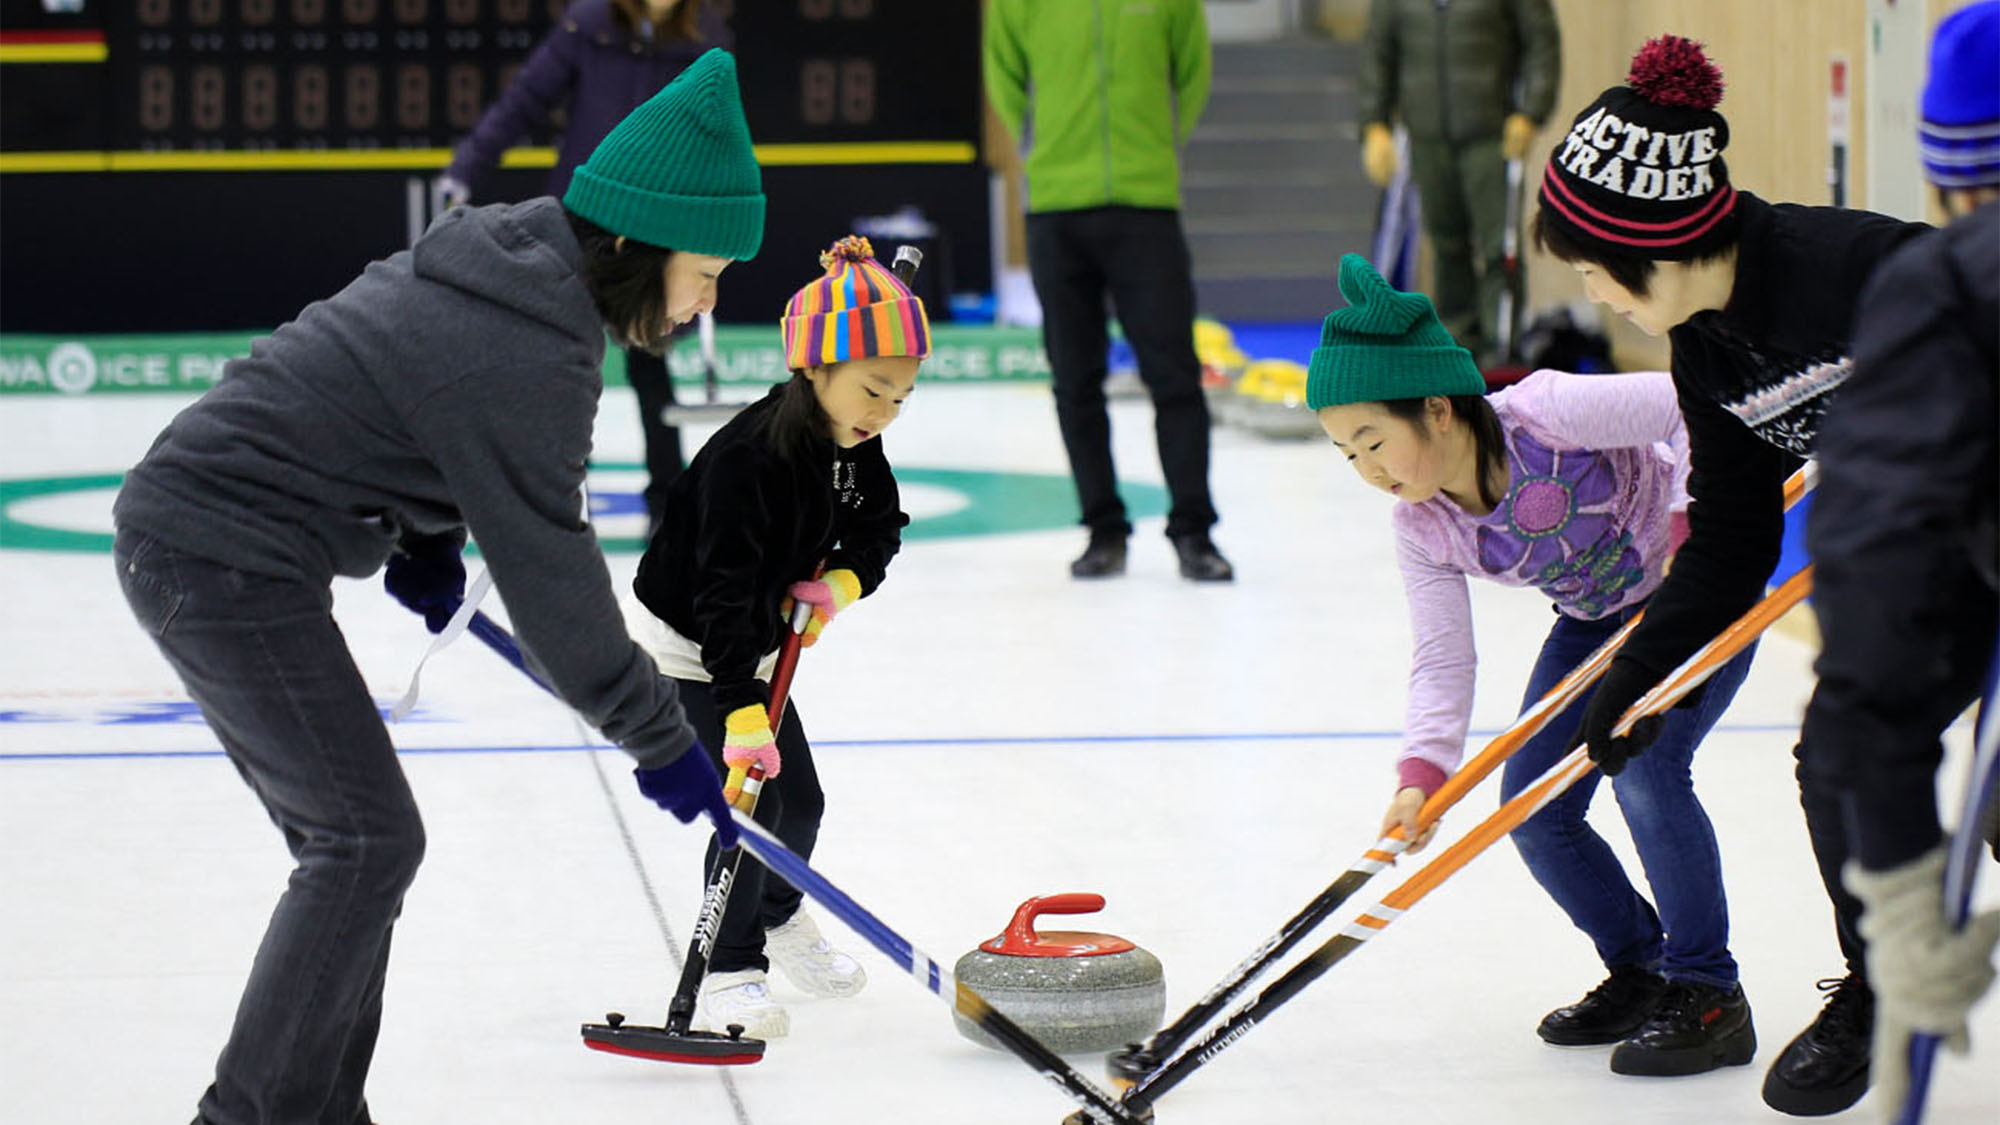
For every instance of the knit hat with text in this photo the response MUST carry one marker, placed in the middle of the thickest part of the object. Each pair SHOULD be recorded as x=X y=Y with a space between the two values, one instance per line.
x=1640 y=173
x=679 y=172
x=1385 y=345
x=858 y=309
x=1960 y=133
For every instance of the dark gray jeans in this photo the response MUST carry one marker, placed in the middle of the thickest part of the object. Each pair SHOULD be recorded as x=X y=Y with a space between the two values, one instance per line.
x=272 y=674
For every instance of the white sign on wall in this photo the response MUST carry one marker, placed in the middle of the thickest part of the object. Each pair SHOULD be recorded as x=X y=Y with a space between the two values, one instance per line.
x=1898 y=36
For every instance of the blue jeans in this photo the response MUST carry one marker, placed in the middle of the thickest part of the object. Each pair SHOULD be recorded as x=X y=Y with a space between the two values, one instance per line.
x=1687 y=939
x=272 y=674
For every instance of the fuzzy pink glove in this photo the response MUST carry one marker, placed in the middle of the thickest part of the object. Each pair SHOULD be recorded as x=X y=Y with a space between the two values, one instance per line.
x=828 y=595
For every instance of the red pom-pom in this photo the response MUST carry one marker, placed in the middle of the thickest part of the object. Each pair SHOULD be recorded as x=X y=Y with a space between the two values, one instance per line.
x=1671 y=70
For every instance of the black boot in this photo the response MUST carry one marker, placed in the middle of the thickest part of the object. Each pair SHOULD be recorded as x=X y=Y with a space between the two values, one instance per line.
x=1825 y=1069
x=1695 y=1028
x=1607 y=1013
x=1104 y=558
x=1200 y=561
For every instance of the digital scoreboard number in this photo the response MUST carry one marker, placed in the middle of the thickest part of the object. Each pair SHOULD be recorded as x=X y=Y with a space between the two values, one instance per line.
x=306 y=74
x=253 y=75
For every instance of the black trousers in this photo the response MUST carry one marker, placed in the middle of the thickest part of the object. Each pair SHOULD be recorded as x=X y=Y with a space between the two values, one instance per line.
x=648 y=375
x=1138 y=258
x=1820 y=783
x=790 y=806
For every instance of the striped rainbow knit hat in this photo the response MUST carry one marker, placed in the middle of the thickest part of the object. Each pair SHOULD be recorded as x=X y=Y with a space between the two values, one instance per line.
x=857 y=310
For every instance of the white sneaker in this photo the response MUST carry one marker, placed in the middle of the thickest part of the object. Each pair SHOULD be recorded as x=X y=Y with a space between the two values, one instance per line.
x=809 y=962
x=742 y=998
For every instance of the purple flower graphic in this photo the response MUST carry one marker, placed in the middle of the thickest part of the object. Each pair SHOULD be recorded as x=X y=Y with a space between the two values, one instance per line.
x=1560 y=529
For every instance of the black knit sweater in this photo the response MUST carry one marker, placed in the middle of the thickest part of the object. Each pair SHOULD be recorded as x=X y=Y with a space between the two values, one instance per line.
x=1754 y=379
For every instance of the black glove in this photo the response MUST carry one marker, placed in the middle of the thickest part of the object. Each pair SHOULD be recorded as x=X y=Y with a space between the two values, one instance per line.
x=1623 y=683
x=427 y=575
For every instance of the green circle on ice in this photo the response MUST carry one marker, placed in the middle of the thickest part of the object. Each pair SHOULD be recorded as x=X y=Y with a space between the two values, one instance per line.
x=66 y=513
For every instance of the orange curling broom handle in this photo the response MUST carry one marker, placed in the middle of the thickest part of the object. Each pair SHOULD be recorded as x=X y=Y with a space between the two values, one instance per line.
x=1562 y=695
x=1669 y=691
x=1684 y=679
x=1130 y=1066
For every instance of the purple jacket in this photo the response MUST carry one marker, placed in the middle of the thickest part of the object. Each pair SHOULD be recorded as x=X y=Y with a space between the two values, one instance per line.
x=595 y=67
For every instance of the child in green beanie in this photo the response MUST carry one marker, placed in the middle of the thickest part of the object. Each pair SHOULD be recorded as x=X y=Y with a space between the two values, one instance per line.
x=1570 y=484
x=450 y=389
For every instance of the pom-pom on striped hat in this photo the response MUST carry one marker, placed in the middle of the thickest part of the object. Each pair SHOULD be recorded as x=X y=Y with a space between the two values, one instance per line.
x=1960 y=133
x=858 y=309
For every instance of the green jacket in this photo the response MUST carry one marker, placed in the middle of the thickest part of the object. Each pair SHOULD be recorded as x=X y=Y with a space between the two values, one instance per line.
x=1455 y=69
x=1107 y=91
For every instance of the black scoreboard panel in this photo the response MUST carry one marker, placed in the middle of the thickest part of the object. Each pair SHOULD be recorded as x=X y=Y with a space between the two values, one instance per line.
x=331 y=74
x=312 y=74
x=189 y=93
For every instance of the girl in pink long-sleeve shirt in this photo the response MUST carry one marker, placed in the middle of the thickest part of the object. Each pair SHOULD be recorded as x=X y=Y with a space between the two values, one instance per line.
x=1570 y=484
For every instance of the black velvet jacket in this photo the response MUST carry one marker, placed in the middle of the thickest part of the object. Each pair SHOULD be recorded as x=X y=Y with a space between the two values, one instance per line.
x=742 y=524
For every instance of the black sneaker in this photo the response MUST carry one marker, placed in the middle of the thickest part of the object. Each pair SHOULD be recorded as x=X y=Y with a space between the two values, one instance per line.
x=1825 y=1069
x=1200 y=561
x=1104 y=558
x=1607 y=1013
x=1694 y=1029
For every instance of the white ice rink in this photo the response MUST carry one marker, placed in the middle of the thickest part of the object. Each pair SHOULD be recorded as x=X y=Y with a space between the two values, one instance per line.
x=1207 y=758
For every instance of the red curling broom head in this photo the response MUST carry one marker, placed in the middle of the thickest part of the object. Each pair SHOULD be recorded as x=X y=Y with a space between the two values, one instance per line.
x=695 y=1048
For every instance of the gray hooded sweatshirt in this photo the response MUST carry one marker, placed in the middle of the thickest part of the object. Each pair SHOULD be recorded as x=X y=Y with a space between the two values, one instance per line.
x=451 y=387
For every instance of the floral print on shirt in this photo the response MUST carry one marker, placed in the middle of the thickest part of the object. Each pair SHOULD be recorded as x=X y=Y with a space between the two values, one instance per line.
x=1557 y=529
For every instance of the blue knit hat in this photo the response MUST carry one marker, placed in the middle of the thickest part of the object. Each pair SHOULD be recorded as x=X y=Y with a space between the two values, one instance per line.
x=679 y=172
x=1960 y=134
x=1385 y=345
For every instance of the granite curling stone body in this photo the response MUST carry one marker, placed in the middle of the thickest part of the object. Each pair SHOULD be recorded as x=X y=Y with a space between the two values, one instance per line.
x=1078 y=993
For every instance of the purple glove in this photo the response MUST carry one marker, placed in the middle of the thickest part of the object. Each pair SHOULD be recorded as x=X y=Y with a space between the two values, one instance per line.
x=428 y=577
x=688 y=787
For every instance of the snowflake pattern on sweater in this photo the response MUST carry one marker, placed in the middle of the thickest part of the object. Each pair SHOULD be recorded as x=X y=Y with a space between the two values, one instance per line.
x=1785 y=408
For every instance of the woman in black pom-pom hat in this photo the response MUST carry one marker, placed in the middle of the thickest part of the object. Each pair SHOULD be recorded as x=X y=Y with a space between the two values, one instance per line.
x=1757 y=300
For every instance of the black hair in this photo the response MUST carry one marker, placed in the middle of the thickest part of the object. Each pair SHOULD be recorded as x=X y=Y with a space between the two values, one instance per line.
x=628 y=283
x=683 y=25
x=1489 y=443
x=1634 y=272
x=797 y=427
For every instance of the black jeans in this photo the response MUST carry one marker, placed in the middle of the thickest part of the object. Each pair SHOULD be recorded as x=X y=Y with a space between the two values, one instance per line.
x=267 y=664
x=655 y=390
x=1820 y=787
x=1139 y=259
x=790 y=805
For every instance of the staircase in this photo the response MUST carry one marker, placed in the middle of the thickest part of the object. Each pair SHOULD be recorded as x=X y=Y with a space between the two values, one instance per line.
x=1272 y=188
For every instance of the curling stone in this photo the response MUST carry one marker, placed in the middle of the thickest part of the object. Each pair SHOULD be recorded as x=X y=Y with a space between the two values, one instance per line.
x=1078 y=993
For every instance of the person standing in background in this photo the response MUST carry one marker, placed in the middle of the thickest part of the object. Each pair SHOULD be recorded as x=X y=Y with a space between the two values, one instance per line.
x=1116 y=90
x=1472 y=81
x=1905 y=542
x=603 y=58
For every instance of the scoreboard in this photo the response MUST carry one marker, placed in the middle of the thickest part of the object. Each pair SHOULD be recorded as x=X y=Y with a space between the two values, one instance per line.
x=328 y=107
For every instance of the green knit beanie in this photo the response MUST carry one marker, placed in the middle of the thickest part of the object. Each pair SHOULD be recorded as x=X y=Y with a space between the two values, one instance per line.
x=679 y=172
x=1386 y=344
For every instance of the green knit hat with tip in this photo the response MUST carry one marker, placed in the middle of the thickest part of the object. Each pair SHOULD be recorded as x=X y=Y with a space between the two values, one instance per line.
x=679 y=172
x=1386 y=344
